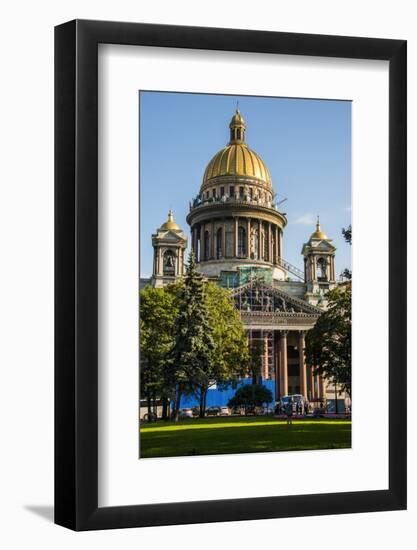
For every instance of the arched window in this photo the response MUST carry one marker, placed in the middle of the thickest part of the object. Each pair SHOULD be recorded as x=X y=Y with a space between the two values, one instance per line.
x=206 y=245
x=321 y=269
x=169 y=263
x=241 y=242
x=219 y=243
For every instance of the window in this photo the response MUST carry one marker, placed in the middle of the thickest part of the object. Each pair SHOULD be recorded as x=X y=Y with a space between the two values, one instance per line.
x=241 y=192
x=222 y=191
x=213 y=193
x=241 y=242
x=206 y=245
x=321 y=269
x=219 y=239
x=169 y=263
x=232 y=190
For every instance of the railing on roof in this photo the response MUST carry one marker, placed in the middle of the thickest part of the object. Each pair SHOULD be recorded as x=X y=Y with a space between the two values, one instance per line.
x=291 y=268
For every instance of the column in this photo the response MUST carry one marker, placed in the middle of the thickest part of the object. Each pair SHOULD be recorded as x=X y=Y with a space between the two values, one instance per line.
x=195 y=245
x=265 y=361
x=280 y=243
x=224 y=240
x=193 y=239
x=202 y=242
x=303 y=368
x=311 y=375
x=236 y=237
x=260 y=241
x=270 y=258
x=277 y=370
x=212 y=249
x=284 y=362
x=276 y=243
x=248 y=238
x=321 y=386
x=317 y=383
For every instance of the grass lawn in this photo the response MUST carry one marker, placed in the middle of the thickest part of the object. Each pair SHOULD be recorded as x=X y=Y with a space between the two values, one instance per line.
x=222 y=435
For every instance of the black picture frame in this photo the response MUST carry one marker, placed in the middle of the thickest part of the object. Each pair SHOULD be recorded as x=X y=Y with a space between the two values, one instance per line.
x=76 y=272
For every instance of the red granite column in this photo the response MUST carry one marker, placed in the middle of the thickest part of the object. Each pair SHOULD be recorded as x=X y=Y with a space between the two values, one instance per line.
x=303 y=368
x=284 y=362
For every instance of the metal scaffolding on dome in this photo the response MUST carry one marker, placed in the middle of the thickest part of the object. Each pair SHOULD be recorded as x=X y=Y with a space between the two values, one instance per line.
x=234 y=279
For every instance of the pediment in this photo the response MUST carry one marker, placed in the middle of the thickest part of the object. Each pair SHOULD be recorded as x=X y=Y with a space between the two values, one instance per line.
x=170 y=237
x=323 y=245
x=258 y=296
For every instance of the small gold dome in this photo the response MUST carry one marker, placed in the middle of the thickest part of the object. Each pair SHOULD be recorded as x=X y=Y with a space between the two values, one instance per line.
x=237 y=120
x=170 y=224
x=236 y=159
x=318 y=233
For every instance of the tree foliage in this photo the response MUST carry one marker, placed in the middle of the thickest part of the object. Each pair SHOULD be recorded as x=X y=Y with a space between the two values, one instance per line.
x=347 y=234
x=329 y=343
x=191 y=338
x=251 y=395
x=255 y=360
x=193 y=351
x=158 y=311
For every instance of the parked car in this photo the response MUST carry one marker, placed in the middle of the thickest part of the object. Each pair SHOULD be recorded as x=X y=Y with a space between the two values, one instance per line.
x=295 y=399
x=224 y=411
x=186 y=413
x=213 y=411
x=264 y=411
x=239 y=411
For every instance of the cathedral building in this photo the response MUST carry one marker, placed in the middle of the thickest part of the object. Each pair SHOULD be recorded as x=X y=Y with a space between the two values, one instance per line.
x=237 y=235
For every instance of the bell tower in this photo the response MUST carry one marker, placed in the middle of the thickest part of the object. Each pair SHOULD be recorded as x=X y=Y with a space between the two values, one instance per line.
x=169 y=244
x=319 y=267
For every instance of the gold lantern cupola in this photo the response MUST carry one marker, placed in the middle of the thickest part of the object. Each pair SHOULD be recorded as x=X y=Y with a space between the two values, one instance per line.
x=318 y=233
x=170 y=223
x=237 y=128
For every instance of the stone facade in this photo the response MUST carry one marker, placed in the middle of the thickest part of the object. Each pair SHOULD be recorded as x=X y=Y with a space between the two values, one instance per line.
x=237 y=235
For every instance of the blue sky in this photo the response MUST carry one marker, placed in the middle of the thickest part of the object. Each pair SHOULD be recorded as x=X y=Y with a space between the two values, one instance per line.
x=306 y=145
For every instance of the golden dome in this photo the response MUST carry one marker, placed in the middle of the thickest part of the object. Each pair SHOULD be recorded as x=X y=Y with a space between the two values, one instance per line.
x=169 y=224
x=318 y=233
x=236 y=159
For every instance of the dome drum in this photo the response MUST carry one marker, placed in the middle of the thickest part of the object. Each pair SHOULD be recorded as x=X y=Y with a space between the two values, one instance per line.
x=233 y=208
x=234 y=217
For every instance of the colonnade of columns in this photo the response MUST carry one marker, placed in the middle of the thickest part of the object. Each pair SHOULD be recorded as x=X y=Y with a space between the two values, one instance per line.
x=311 y=385
x=262 y=240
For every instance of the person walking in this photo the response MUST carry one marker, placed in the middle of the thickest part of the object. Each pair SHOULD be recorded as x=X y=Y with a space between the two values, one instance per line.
x=288 y=412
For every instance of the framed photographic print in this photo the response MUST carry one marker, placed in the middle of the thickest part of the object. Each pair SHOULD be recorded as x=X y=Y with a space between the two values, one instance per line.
x=230 y=275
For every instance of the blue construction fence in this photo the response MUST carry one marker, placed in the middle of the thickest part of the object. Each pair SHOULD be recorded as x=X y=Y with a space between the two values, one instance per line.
x=220 y=397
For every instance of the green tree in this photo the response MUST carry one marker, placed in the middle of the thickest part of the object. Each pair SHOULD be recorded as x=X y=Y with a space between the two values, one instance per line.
x=255 y=360
x=329 y=343
x=347 y=234
x=193 y=350
x=251 y=395
x=158 y=311
x=231 y=354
